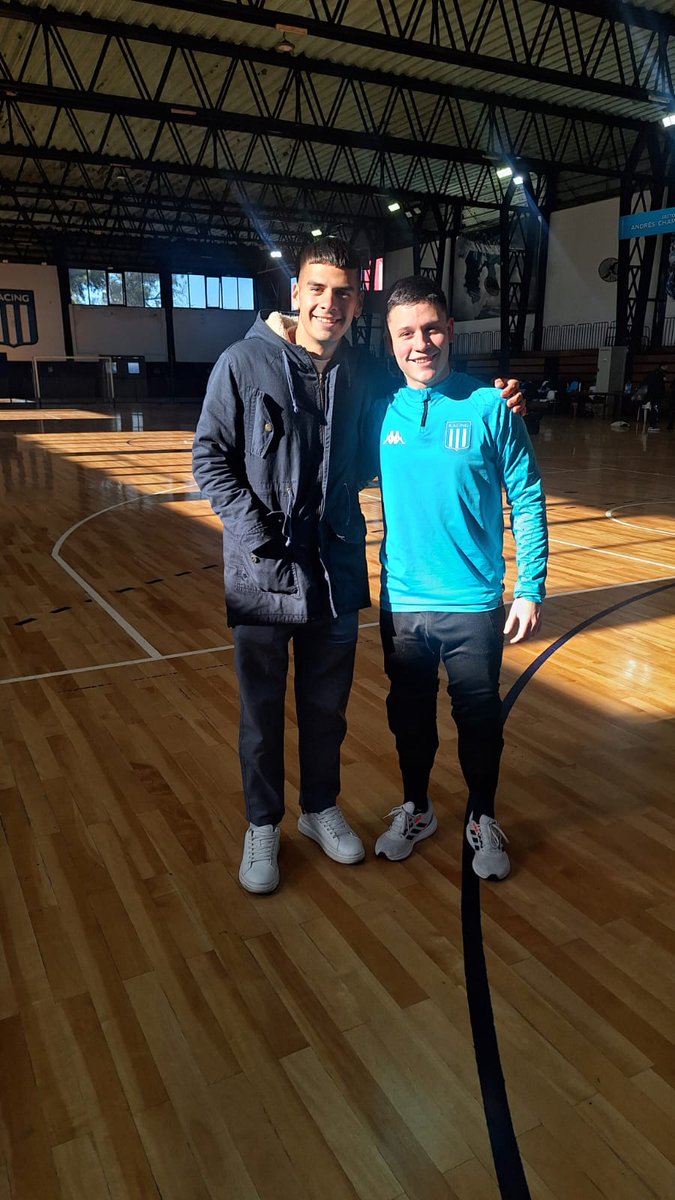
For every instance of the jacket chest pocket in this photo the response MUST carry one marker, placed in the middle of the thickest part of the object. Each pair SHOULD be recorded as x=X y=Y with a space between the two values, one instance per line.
x=264 y=424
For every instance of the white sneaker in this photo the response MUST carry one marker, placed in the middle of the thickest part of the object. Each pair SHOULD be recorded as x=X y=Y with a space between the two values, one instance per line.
x=335 y=837
x=406 y=829
x=486 y=837
x=259 y=871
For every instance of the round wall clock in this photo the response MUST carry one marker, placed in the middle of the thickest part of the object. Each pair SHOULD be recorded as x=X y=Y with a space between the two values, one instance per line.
x=609 y=270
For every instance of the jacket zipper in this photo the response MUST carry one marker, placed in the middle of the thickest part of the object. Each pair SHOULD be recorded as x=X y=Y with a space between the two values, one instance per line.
x=425 y=411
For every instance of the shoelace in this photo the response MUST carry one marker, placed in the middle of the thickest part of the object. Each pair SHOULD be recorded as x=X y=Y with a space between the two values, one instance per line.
x=261 y=847
x=495 y=835
x=333 y=822
x=404 y=821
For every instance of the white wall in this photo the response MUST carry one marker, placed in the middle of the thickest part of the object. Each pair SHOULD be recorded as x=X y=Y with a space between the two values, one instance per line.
x=397 y=264
x=44 y=284
x=579 y=240
x=202 y=334
x=117 y=330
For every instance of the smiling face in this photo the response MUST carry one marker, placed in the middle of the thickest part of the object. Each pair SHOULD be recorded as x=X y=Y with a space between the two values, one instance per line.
x=421 y=335
x=328 y=299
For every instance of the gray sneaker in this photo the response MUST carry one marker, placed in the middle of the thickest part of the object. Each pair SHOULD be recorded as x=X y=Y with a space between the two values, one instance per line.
x=335 y=837
x=406 y=830
x=486 y=838
x=259 y=871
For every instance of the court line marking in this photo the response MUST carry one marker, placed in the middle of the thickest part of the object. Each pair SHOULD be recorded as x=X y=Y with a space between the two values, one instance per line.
x=116 y=616
x=640 y=528
x=651 y=562
x=511 y=1176
x=156 y=656
x=126 y=662
x=623 y=471
x=136 y=662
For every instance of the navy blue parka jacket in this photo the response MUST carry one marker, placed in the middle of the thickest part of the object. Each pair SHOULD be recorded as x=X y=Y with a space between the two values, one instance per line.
x=281 y=465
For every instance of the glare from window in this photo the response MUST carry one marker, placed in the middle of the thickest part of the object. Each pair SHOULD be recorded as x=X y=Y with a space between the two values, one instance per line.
x=152 y=295
x=211 y=291
x=181 y=292
x=79 y=285
x=197 y=291
x=230 y=293
x=245 y=288
x=115 y=287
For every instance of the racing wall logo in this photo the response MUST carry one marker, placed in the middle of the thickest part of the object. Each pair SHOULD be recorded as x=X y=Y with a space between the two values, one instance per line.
x=18 y=318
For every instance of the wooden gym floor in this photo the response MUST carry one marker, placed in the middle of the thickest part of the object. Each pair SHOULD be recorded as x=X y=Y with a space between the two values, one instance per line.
x=162 y=1033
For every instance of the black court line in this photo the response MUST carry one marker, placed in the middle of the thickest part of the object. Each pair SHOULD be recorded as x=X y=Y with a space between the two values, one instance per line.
x=511 y=1176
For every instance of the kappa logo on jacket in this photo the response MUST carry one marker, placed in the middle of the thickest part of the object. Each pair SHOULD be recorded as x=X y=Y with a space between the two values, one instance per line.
x=394 y=438
x=457 y=435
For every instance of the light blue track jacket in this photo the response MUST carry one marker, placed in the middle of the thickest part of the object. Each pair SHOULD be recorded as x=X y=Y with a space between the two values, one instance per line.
x=445 y=453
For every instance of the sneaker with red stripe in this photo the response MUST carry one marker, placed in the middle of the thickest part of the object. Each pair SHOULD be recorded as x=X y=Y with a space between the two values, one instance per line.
x=406 y=830
x=486 y=838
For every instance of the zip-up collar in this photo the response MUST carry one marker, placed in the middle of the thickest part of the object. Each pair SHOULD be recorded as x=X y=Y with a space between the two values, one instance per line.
x=422 y=396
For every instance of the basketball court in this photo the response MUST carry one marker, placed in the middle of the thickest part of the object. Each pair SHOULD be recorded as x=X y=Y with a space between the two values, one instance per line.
x=386 y=1030
x=164 y=1033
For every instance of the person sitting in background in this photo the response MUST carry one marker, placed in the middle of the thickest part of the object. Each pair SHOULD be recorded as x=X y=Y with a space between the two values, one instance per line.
x=655 y=383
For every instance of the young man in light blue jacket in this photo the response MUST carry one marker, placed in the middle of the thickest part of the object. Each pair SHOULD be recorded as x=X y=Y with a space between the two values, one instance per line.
x=447 y=446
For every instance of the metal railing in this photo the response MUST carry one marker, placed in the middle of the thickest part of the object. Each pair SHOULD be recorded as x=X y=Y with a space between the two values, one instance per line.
x=588 y=335
x=669 y=332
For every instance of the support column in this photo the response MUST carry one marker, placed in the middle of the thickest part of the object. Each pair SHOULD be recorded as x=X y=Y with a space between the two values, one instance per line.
x=166 y=296
x=64 y=296
x=523 y=257
x=642 y=191
x=545 y=211
x=660 y=300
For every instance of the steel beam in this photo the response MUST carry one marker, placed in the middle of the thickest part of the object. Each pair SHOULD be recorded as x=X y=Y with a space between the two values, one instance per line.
x=440 y=32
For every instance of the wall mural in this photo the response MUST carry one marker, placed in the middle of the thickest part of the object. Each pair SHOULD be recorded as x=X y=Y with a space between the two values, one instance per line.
x=477 y=283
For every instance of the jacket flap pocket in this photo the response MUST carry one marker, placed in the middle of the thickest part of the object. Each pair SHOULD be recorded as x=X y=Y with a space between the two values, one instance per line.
x=264 y=424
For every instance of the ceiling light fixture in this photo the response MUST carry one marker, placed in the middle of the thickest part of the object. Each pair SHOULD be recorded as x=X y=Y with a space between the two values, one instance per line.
x=316 y=232
x=668 y=120
x=276 y=254
x=518 y=180
x=394 y=206
x=504 y=172
x=285 y=46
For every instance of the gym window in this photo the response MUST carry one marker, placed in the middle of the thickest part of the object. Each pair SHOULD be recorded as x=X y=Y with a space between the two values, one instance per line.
x=212 y=291
x=135 y=289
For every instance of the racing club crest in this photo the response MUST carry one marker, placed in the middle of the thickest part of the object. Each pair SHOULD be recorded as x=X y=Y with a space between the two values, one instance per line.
x=18 y=318
x=457 y=435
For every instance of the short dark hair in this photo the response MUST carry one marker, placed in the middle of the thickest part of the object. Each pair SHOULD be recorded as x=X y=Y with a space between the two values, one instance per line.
x=415 y=289
x=332 y=251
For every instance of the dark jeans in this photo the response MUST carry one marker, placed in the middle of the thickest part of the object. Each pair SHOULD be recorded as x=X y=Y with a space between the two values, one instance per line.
x=470 y=647
x=324 y=654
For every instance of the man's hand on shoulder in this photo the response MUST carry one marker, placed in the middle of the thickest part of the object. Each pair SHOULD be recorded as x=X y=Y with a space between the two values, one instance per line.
x=512 y=394
x=524 y=620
